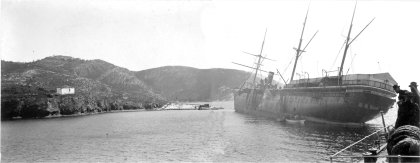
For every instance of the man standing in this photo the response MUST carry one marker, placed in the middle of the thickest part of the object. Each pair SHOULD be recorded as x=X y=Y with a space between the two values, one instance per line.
x=403 y=95
x=415 y=93
x=408 y=106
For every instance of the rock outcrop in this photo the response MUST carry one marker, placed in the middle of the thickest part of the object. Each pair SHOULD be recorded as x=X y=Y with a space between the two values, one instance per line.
x=43 y=104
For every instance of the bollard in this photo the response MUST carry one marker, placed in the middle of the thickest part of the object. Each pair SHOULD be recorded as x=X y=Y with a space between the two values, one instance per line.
x=369 y=157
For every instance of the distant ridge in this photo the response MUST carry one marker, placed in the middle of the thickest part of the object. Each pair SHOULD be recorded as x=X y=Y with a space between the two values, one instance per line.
x=192 y=84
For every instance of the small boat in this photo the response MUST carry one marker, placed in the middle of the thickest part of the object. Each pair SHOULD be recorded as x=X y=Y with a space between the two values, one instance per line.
x=216 y=108
x=295 y=120
x=204 y=107
x=208 y=107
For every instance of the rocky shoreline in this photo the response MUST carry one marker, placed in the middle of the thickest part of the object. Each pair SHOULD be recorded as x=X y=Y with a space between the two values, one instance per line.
x=58 y=115
x=82 y=114
x=41 y=104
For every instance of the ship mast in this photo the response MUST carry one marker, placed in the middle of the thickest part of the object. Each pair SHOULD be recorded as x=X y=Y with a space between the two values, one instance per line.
x=348 y=42
x=300 y=43
x=298 y=50
x=259 y=59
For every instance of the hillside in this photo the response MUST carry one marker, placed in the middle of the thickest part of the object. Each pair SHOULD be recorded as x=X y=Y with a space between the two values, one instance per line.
x=28 y=89
x=67 y=71
x=191 y=84
x=99 y=86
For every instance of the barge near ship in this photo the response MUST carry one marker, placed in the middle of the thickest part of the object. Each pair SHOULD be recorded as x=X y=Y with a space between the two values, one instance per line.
x=353 y=98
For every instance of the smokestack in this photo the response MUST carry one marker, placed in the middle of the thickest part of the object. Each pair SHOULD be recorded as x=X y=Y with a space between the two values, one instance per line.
x=270 y=77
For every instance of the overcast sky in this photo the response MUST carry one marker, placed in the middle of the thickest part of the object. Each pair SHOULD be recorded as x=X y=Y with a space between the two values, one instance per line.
x=211 y=34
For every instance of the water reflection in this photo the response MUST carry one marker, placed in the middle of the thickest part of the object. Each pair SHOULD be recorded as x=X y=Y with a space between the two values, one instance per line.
x=315 y=141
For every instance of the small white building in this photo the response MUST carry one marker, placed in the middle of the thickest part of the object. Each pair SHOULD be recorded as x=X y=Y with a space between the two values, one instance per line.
x=65 y=91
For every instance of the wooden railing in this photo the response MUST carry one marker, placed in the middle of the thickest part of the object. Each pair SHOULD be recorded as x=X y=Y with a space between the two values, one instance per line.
x=398 y=157
x=369 y=83
x=303 y=83
x=369 y=157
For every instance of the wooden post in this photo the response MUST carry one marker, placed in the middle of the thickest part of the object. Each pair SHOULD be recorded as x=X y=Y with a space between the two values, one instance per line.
x=383 y=121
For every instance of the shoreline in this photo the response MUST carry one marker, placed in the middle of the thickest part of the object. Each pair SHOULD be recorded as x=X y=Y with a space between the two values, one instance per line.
x=80 y=114
x=111 y=111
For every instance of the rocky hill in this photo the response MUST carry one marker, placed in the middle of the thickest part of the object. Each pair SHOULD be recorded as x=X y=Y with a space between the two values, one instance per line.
x=99 y=86
x=29 y=89
x=191 y=84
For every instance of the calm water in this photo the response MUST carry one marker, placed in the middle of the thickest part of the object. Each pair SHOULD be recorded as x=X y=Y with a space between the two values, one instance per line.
x=187 y=135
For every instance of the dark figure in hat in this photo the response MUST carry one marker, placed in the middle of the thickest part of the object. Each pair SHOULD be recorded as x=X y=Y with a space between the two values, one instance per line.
x=408 y=106
x=403 y=95
x=405 y=139
x=415 y=93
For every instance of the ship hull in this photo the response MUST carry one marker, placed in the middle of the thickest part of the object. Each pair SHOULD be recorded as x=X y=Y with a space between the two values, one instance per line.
x=333 y=104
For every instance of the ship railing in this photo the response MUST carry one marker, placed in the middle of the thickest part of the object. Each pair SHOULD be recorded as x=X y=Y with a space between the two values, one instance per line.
x=375 y=151
x=369 y=83
x=369 y=137
x=378 y=147
x=372 y=83
x=399 y=158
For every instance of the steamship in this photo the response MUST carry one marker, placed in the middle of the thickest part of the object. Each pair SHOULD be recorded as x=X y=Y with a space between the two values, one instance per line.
x=351 y=98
